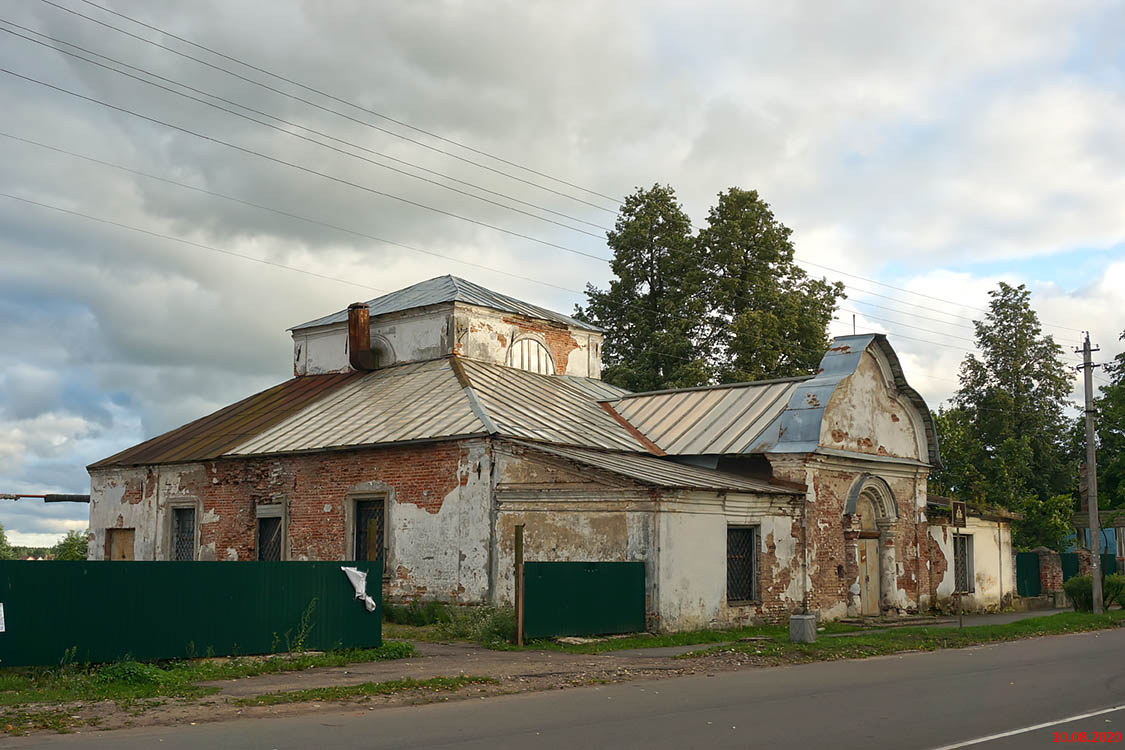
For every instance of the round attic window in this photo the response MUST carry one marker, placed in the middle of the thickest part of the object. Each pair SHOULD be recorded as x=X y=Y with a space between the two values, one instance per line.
x=530 y=354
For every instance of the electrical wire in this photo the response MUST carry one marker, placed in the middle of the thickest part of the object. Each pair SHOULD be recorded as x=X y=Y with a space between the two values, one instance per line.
x=302 y=127
x=300 y=167
x=329 y=109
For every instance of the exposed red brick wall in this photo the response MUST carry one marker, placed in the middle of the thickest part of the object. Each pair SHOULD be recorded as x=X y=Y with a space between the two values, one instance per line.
x=557 y=337
x=1050 y=570
x=420 y=474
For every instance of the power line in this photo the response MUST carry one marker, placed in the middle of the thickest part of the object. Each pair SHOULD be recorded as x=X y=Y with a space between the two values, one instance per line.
x=329 y=109
x=300 y=167
x=278 y=211
x=173 y=238
x=351 y=231
x=919 y=294
x=297 y=135
x=907 y=325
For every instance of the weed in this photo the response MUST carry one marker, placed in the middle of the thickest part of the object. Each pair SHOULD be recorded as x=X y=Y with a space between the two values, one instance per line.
x=492 y=627
x=366 y=689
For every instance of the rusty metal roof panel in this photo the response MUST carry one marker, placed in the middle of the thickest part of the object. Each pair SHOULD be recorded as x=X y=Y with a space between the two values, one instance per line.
x=598 y=389
x=417 y=401
x=702 y=421
x=211 y=436
x=661 y=472
x=545 y=408
x=445 y=289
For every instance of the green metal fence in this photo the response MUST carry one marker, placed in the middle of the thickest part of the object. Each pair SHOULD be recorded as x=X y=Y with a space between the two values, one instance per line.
x=106 y=611
x=1069 y=565
x=1027 y=574
x=1109 y=564
x=580 y=598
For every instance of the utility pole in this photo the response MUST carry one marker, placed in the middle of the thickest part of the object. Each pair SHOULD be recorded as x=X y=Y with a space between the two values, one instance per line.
x=1087 y=367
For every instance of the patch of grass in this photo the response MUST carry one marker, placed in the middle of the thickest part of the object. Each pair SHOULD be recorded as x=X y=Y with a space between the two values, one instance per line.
x=492 y=627
x=896 y=640
x=22 y=720
x=366 y=690
x=131 y=680
x=416 y=613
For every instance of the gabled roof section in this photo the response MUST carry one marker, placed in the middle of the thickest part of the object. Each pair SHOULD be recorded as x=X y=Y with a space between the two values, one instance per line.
x=797 y=429
x=213 y=435
x=418 y=401
x=660 y=472
x=545 y=408
x=721 y=419
x=444 y=289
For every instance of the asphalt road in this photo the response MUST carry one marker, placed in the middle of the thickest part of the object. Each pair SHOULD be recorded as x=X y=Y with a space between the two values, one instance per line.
x=947 y=699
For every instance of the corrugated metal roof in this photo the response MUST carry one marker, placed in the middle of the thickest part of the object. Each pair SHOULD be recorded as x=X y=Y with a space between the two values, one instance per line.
x=213 y=435
x=449 y=289
x=700 y=421
x=417 y=401
x=598 y=389
x=662 y=472
x=545 y=407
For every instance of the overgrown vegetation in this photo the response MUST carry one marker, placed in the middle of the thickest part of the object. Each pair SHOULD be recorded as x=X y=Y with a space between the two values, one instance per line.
x=366 y=690
x=416 y=613
x=895 y=640
x=691 y=638
x=492 y=627
x=1080 y=589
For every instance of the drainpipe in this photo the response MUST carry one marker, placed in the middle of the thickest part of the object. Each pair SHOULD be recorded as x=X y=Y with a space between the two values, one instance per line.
x=360 y=356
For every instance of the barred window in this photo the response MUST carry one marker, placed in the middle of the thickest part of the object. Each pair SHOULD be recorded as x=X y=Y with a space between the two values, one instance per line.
x=269 y=538
x=963 y=562
x=368 y=529
x=183 y=533
x=742 y=563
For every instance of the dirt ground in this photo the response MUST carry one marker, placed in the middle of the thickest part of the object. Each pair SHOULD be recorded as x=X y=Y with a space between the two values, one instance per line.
x=515 y=672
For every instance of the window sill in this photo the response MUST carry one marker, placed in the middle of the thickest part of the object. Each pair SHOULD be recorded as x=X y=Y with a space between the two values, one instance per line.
x=745 y=603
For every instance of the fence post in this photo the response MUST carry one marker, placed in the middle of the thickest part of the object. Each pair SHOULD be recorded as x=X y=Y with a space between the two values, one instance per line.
x=519 y=584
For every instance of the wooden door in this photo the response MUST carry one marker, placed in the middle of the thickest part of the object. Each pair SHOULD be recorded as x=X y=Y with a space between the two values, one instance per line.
x=119 y=544
x=869 y=576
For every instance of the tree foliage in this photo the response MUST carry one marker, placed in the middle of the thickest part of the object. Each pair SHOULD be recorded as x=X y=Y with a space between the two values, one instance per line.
x=1109 y=408
x=1004 y=439
x=70 y=547
x=6 y=551
x=724 y=305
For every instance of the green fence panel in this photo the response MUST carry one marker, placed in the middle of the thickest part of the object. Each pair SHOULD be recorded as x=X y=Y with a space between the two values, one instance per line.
x=1069 y=565
x=1027 y=574
x=1109 y=564
x=583 y=598
x=109 y=610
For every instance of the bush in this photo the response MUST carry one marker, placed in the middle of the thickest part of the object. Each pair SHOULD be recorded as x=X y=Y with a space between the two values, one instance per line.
x=491 y=627
x=1113 y=589
x=131 y=673
x=416 y=613
x=1080 y=589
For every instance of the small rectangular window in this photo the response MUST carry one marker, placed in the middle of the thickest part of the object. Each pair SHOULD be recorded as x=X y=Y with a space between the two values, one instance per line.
x=269 y=538
x=183 y=533
x=742 y=564
x=963 y=562
x=368 y=529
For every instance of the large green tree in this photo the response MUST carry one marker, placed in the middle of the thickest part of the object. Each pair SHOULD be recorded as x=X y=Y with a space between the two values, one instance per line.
x=767 y=318
x=1109 y=426
x=653 y=310
x=724 y=305
x=70 y=547
x=6 y=551
x=1004 y=440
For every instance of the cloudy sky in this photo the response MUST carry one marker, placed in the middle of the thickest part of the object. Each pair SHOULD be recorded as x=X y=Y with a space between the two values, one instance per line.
x=920 y=151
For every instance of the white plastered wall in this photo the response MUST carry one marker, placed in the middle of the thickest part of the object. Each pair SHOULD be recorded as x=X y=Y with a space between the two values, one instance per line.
x=994 y=570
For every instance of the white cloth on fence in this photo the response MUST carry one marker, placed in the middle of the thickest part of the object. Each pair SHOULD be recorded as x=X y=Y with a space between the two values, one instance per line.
x=358 y=579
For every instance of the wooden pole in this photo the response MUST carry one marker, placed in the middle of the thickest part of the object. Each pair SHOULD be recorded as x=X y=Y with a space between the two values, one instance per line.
x=519 y=584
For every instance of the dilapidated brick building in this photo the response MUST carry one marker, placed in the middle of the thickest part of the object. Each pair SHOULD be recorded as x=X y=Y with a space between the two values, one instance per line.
x=422 y=426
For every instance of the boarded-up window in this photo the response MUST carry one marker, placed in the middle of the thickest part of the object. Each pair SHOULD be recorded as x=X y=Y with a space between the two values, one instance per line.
x=529 y=354
x=183 y=533
x=963 y=562
x=742 y=565
x=119 y=543
x=368 y=529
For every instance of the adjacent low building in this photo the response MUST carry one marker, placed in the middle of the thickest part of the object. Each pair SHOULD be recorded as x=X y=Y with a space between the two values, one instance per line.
x=422 y=426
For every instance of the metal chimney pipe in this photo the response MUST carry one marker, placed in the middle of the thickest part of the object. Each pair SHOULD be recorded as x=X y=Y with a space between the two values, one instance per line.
x=360 y=355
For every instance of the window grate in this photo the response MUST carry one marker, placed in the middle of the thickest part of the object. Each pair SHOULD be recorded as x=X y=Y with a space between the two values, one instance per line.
x=269 y=538
x=368 y=529
x=183 y=533
x=963 y=563
x=741 y=564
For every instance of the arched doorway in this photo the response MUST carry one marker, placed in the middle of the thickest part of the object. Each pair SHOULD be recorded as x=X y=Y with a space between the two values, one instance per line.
x=867 y=547
x=872 y=511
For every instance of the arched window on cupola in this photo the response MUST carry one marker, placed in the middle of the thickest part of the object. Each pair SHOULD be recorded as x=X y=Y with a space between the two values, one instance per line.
x=530 y=354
